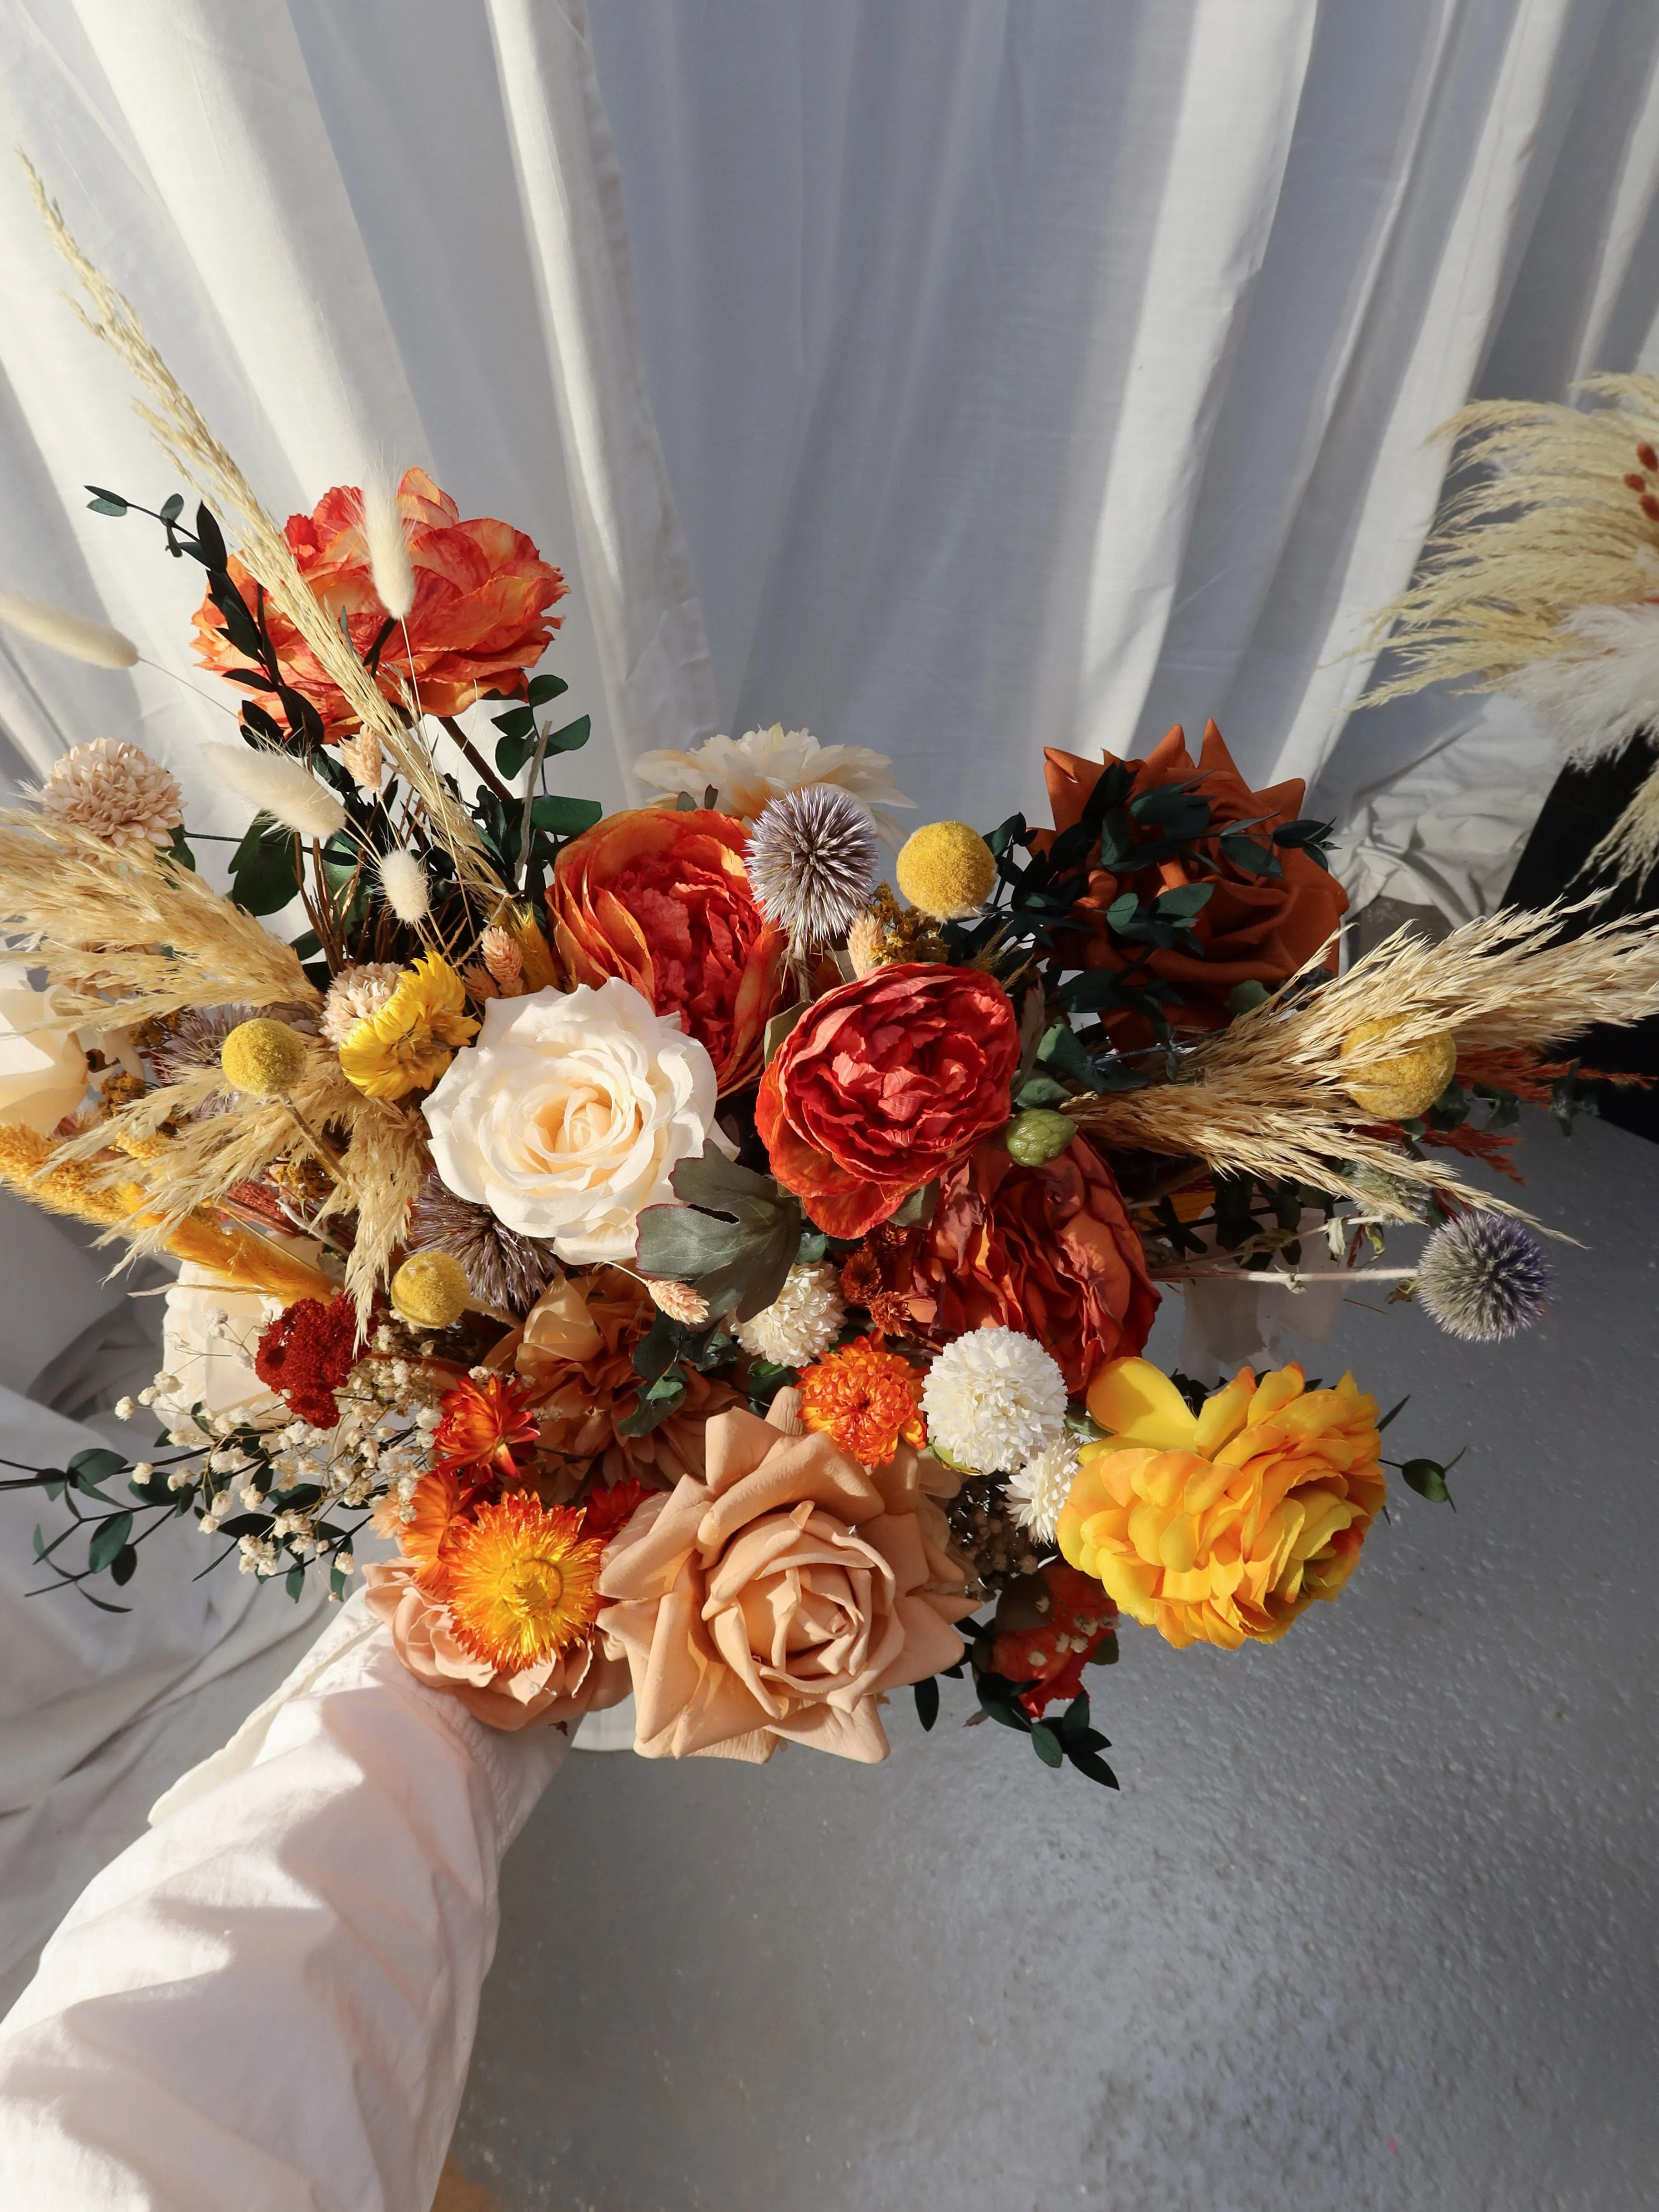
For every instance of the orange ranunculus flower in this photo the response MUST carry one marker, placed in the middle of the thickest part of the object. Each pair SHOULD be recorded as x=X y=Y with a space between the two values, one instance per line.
x=479 y=621
x=1222 y=1526
x=1253 y=929
x=663 y=900
x=883 y=1084
x=1049 y=1250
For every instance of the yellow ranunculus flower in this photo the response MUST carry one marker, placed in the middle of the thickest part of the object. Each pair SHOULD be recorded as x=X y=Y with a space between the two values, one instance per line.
x=1223 y=1525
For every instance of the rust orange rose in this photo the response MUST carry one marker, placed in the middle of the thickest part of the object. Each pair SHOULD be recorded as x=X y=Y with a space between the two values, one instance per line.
x=480 y=618
x=1048 y=1250
x=1253 y=929
x=1221 y=1527
x=663 y=900
x=883 y=1084
x=783 y=1597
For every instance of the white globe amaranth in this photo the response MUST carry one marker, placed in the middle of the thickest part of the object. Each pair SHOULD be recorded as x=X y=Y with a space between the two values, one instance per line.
x=993 y=1398
x=802 y=1321
x=1042 y=1485
x=568 y=1114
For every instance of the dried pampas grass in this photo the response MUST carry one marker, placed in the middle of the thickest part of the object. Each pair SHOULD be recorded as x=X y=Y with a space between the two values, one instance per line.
x=129 y=940
x=181 y=431
x=1266 y=1097
x=1536 y=576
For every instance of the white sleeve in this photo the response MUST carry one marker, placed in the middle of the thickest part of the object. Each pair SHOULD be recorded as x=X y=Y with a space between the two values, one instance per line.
x=268 y=2001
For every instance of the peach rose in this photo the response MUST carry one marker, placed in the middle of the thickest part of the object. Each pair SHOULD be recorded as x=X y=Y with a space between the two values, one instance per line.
x=1222 y=1526
x=782 y=1596
x=582 y=1678
x=663 y=900
x=480 y=617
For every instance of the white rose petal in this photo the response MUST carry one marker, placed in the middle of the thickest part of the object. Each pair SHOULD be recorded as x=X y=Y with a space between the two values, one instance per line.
x=570 y=1114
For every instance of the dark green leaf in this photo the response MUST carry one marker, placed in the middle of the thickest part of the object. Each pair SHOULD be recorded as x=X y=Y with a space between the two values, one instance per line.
x=1428 y=1479
x=543 y=688
x=172 y=507
x=658 y=1349
x=517 y=722
x=105 y=502
x=1183 y=903
x=307 y=944
x=1046 y=1744
x=246 y=1524
x=264 y=869
x=735 y=1237
x=294 y=1582
x=1105 y=1653
x=1086 y=1762
x=240 y=626
x=89 y=1468
x=1074 y=1721
x=511 y=753
x=1392 y=1411
x=1243 y=996
x=565 y=817
x=812 y=1247
x=108 y=1538
x=1248 y=853
x=179 y=849
x=573 y=737
x=209 y=540
x=918 y=1209
x=121 y=1566
x=1042 y=1091
x=927 y=1697
x=1123 y=912
x=654 y=1406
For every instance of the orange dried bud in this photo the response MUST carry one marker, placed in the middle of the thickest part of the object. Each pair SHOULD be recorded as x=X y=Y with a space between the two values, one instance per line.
x=1645 y=454
x=1650 y=506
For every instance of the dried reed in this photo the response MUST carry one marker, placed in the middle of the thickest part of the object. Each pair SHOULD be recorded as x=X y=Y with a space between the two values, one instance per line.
x=1266 y=1097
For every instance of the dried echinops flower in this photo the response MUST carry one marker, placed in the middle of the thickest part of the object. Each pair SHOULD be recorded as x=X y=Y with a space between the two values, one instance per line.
x=813 y=858
x=1484 y=1278
x=505 y=1270
x=115 y=791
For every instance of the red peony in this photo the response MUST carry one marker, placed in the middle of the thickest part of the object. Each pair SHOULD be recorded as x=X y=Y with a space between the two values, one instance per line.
x=306 y=1355
x=1253 y=929
x=480 y=617
x=884 y=1084
x=1048 y=1250
x=1051 y=1652
x=662 y=899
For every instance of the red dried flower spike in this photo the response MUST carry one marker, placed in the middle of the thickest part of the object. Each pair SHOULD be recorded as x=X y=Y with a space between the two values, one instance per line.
x=307 y=1353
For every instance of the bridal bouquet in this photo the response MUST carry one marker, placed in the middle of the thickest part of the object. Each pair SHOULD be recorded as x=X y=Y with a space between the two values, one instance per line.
x=724 y=1276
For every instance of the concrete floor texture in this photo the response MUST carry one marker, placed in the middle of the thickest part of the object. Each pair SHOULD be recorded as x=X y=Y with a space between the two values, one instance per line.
x=1371 y=1923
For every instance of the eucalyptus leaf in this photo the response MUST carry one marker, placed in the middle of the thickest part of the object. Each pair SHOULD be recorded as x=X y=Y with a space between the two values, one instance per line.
x=735 y=1237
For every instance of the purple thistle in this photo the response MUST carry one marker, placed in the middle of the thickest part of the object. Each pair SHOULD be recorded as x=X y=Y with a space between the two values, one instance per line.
x=1485 y=1277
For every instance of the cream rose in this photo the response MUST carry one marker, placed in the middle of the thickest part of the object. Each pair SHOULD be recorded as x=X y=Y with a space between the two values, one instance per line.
x=570 y=1114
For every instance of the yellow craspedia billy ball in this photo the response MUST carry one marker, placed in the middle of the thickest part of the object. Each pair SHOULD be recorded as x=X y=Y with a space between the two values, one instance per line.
x=1403 y=1085
x=947 y=869
x=264 y=1058
x=431 y=1290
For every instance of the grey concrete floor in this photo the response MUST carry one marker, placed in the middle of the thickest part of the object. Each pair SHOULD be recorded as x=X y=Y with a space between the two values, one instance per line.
x=1371 y=1924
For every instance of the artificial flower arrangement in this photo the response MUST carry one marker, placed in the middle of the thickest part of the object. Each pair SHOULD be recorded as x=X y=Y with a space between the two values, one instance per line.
x=726 y=1278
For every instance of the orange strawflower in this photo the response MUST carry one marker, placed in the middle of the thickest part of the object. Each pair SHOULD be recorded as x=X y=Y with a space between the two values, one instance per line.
x=487 y=1429
x=522 y=1582
x=868 y=1399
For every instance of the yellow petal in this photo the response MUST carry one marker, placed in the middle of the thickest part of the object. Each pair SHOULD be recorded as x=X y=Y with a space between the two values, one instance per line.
x=1222 y=1416
x=1132 y=1399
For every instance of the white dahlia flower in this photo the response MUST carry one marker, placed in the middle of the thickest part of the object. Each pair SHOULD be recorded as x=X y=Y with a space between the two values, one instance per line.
x=802 y=1321
x=993 y=1399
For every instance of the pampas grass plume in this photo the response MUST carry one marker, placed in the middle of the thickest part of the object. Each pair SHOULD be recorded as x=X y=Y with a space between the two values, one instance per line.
x=403 y=881
x=282 y=788
x=389 y=563
x=93 y=642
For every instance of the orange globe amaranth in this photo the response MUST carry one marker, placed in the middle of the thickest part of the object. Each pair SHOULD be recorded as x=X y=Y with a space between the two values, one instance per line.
x=1221 y=1527
x=663 y=900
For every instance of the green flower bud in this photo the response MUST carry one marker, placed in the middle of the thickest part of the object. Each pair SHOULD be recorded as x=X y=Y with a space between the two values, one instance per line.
x=1039 y=1135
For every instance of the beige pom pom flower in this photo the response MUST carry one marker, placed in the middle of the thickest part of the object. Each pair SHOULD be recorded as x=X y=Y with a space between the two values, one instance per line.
x=115 y=791
x=355 y=995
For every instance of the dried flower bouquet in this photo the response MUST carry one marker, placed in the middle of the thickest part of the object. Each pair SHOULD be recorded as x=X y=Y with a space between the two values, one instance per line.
x=724 y=1277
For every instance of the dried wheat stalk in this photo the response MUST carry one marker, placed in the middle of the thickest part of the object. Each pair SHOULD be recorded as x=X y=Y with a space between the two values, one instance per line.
x=127 y=938
x=1266 y=1097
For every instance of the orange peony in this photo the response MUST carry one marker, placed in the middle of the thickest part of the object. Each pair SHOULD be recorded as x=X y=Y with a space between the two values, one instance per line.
x=783 y=1597
x=479 y=621
x=1048 y=1250
x=883 y=1084
x=663 y=900
x=1222 y=1526
x=1253 y=929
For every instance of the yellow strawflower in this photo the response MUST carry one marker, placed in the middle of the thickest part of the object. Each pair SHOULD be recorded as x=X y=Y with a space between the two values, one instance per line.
x=406 y=1044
